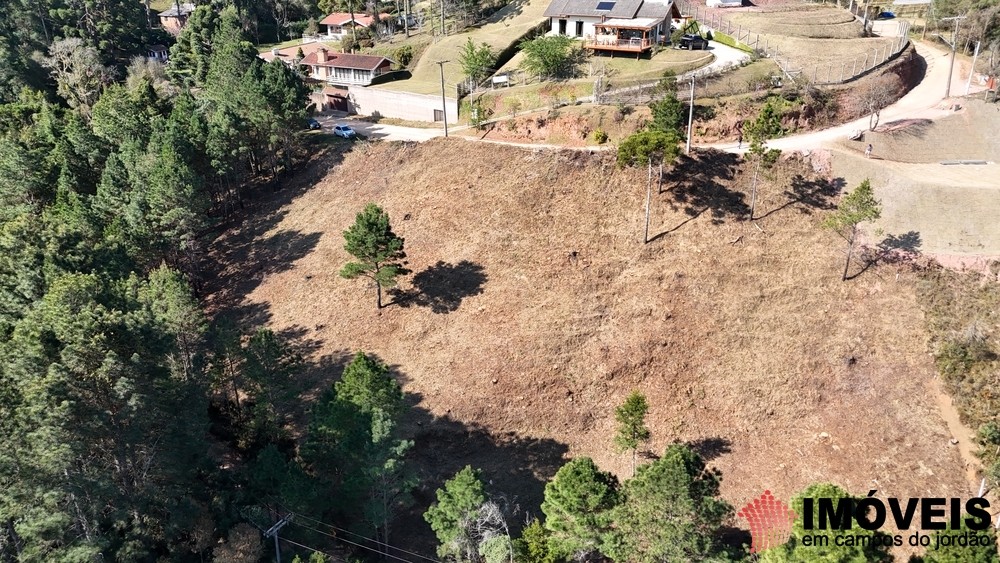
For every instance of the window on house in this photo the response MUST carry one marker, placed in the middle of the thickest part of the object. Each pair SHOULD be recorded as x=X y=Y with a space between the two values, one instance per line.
x=562 y=27
x=606 y=5
x=579 y=29
x=342 y=73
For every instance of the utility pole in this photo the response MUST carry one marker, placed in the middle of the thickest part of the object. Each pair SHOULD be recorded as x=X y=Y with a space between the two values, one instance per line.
x=690 y=117
x=444 y=104
x=954 y=45
x=975 y=57
x=273 y=532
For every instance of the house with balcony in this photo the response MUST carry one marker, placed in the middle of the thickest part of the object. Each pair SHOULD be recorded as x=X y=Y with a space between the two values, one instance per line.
x=345 y=69
x=631 y=26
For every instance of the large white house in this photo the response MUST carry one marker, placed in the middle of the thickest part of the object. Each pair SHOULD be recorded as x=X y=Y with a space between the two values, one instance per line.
x=613 y=25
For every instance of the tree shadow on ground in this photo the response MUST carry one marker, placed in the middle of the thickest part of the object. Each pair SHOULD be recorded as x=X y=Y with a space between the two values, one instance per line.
x=242 y=253
x=514 y=467
x=696 y=185
x=442 y=287
x=893 y=249
x=711 y=448
x=809 y=195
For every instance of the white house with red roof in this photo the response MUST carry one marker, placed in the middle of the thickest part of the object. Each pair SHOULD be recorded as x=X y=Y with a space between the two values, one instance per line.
x=345 y=68
x=339 y=24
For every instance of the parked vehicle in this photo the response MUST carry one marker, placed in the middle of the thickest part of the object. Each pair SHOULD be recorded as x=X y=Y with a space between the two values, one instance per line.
x=313 y=124
x=344 y=131
x=692 y=42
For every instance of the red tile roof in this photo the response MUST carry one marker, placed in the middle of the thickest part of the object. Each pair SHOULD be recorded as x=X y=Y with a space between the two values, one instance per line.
x=341 y=18
x=345 y=60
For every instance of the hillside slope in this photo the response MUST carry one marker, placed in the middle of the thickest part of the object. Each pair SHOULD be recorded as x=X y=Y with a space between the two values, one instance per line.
x=541 y=310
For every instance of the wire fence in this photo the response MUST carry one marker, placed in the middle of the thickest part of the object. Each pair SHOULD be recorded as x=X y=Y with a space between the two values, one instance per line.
x=839 y=72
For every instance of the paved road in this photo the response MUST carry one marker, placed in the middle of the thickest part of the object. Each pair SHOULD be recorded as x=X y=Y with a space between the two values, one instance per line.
x=925 y=101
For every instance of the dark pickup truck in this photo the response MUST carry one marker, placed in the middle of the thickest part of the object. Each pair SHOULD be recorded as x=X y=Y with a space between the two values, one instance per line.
x=692 y=42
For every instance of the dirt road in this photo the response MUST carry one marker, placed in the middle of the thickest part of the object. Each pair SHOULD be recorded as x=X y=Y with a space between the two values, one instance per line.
x=925 y=101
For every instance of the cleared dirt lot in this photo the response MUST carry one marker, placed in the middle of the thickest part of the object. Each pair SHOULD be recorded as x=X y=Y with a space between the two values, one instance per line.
x=537 y=309
x=953 y=208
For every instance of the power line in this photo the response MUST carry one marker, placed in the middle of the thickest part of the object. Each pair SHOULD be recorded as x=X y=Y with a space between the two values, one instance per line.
x=338 y=529
x=349 y=542
x=297 y=544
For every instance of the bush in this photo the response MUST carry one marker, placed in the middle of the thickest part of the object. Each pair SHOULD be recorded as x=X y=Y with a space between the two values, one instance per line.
x=404 y=56
x=957 y=357
x=600 y=136
x=553 y=56
x=770 y=158
x=348 y=44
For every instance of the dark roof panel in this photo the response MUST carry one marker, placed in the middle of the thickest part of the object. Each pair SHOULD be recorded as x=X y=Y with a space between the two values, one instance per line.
x=620 y=9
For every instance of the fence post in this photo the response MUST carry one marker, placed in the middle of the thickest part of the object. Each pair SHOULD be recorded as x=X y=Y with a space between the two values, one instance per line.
x=842 y=69
x=829 y=74
x=815 y=73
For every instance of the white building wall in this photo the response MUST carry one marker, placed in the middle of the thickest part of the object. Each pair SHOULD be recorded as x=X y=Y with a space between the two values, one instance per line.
x=399 y=105
x=588 y=26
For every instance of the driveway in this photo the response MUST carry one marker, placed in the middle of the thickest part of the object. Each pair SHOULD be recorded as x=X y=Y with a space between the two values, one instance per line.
x=380 y=131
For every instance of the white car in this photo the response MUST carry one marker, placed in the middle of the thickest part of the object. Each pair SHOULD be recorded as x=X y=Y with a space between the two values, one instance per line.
x=724 y=3
x=344 y=131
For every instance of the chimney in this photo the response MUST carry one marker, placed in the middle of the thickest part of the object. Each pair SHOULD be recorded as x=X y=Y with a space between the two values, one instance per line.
x=321 y=55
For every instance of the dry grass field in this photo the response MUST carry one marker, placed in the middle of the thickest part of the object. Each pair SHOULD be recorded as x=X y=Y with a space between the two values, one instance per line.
x=810 y=36
x=535 y=308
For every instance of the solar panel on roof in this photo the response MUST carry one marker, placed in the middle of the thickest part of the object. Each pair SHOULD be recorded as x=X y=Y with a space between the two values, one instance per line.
x=605 y=5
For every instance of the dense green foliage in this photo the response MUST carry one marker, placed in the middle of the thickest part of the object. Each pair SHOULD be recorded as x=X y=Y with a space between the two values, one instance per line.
x=476 y=60
x=949 y=546
x=668 y=112
x=840 y=552
x=670 y=511
x=114 y=386
x=551 y=56
x=577 y=507
x=648 y=146
x=458 y=504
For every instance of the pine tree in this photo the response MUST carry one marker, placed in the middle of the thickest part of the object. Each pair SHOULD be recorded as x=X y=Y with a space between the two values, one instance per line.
x=632 y=431
x=577 y=507
x=670 y=511
x=366 y=383
x=378 y=250
x=855 y=208
x=457 y=505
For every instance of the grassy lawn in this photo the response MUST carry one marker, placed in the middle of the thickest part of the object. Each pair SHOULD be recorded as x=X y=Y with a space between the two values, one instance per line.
x=537 y=95
x=160 y=5
x=503 y=28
